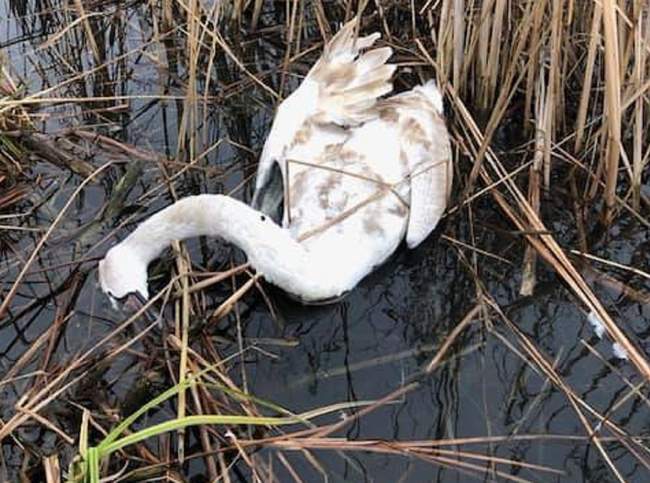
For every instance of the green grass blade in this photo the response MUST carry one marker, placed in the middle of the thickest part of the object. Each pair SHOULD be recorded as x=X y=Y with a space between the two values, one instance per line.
x=106 y=449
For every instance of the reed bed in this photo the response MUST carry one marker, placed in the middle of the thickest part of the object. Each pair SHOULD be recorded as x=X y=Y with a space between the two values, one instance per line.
x=546 y=104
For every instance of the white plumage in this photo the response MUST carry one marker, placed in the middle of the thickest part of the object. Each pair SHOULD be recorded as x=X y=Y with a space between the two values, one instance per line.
x=359 y=174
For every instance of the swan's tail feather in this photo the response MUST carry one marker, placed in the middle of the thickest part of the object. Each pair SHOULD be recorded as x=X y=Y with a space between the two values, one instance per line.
x=349 y=82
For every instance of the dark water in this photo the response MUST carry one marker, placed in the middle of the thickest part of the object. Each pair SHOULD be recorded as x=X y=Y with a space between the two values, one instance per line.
x=362 y=348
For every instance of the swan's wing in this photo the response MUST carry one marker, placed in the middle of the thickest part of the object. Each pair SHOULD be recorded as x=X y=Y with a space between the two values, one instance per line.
x=427 y=152
x=341 y=89
x=349 y=84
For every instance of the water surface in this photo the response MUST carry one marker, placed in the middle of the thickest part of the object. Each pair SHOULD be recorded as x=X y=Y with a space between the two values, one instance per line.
x=374 y=341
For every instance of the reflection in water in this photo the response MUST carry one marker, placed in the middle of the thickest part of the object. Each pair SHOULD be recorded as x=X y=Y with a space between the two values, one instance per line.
x=377 y=339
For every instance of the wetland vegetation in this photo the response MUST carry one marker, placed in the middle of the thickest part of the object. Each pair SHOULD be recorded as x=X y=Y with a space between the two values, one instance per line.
x=474 y=356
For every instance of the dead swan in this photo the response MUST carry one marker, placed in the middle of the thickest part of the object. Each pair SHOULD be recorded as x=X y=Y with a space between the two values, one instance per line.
x=358 y=174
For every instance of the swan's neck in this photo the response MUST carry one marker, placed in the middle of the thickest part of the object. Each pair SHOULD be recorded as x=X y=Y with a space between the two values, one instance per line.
x=211 y=215
x=270 y=248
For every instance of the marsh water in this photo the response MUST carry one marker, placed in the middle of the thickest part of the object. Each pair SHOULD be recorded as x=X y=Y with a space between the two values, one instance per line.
x=299 y=357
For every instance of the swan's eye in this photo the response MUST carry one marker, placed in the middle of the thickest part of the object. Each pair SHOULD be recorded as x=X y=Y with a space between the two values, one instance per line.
x=263 y=218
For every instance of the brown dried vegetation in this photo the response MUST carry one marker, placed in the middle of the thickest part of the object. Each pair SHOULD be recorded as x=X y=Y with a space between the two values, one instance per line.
x=539 y=95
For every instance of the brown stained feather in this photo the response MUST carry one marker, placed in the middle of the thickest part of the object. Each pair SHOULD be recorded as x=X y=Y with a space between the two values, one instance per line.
x=370 y=224
x=299 y=187
x=332 y=182
x=388 y=114
x=412 y=132
x=337 y=77
x=348 y=83
x=348 y=157
x=330 y=197
x=332 y=151
x=411 y=100
x=303 y=135
x=404 y=163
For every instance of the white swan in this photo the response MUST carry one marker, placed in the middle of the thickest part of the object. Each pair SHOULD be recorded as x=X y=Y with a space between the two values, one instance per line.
x=359 y=173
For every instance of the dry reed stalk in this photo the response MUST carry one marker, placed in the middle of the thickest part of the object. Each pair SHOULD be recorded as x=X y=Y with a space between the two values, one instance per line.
x=532 y=79
x=31 y=403
x=590 y=64
x=213 y=279
x=215 y=373
x=483 y=46
x=610 y=263
x=52 y=469
x=423 y=448
x=476 y=249
x=458 y=43
x=232 y=437
x=576 y=402
x=257 y=10
x=181 y=330
x=612 y=106
x=553 y=98
x=214 y=15
x=545 y=244
x=240 y=345
x=493 y=64
x=187 y=133
x=230 y=302
x=90 y=36
x=36 y=347
x=641 y=39
x=511 y=78
x=188 y=122
x=291 y=32
x=321 y=19
x=14 y=287
x=615 y=285
x=443 y=40
x=469 y=317
x=204 y=436
x=435 y=443
x=598 y=182
x=47 y=424
x=12 y=196
x=292 y=472
x=542 y=146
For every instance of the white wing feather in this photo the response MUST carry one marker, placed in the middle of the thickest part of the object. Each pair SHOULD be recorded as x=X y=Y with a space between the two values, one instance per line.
x=340 y=89
x=425 y=144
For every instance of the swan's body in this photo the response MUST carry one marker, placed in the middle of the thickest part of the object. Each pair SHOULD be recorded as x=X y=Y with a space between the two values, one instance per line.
x=359 y=175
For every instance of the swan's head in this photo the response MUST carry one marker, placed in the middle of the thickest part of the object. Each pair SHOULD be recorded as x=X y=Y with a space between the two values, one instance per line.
x=122 y=272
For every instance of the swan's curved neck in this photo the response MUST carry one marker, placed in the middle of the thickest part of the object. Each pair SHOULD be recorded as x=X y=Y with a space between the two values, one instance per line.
x=270 y=249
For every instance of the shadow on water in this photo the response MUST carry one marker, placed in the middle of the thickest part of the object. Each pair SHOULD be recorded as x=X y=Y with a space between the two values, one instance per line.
x=359 y=349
